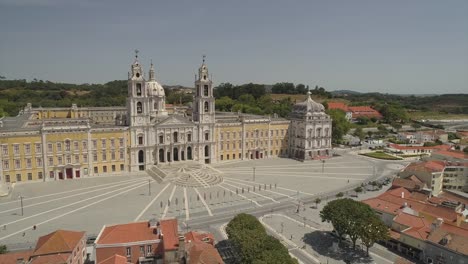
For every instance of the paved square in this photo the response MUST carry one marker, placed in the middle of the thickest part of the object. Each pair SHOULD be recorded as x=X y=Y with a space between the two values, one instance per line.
x=187 y=191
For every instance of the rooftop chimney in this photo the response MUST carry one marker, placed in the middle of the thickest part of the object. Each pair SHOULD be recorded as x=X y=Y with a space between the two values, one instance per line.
x=403 y=195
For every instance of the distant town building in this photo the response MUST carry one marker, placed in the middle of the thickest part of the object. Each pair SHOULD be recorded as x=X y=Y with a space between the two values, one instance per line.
x=355 y=112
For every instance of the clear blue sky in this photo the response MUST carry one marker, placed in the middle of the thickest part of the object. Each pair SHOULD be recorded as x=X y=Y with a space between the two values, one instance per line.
x=397 y=46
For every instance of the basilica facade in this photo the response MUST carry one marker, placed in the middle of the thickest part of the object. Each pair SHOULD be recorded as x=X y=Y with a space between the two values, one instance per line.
x=66 y=143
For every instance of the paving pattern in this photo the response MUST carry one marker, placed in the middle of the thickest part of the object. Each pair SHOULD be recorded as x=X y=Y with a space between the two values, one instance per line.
x=186 y=191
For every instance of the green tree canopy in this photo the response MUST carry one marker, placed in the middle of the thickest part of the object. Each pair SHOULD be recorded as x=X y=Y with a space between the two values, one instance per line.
x=340 y=125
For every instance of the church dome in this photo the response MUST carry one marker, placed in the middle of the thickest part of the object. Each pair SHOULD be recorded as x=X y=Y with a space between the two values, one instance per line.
x=154 y=88
x=308 y=106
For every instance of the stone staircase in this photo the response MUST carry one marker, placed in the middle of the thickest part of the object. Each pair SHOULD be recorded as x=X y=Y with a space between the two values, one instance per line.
x=157 y=174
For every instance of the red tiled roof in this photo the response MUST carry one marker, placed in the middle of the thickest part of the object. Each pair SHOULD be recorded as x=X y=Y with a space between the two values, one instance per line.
x=455 y=241
x=361 y=111
x=415 y=179
x=394 y=234
x=382 y=205
x=411 y=220
x=427 y=166
x=59 y=241
x=338 y=105
x=12 y=257
x=203 y=253
x=60 y=258
x=453 y=153
x=115 y=259
x=419 y=233
x=170 y=231
x=125 y=233
x=203 y=237
x=448 y=214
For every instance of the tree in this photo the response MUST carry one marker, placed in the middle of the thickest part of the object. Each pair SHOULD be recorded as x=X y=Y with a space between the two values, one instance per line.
x=340 y=125
x=358 y=132
x=363 y=120
x=415 y=125
x=224 y=104
x=396 y=126
x=358 y=189
x=3 y=249
x=333 y=213
x=339 y=195
x=317 y=201
x=372 y=230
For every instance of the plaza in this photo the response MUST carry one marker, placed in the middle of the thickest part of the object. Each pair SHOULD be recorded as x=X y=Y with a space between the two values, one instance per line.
x=88 y=204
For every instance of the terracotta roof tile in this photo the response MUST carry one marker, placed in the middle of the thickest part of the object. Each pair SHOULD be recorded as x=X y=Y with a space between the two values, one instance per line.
x=411 y=220
x=338 y=105
x=453 y=241
x=427 y=166
x=51 y=259
x=419 y=233
x=125 y=233
x=115 y=259
x=452 y=153
x=59 y=241
x=202 y=237
x=12 y=257
x=170 y=230
x=203 y=253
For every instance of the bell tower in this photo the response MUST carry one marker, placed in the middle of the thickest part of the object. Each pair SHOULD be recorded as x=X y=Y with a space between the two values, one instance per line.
x=137 y=100
x=203 y=101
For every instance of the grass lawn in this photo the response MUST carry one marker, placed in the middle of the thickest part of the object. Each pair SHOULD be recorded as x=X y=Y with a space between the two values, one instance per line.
x=433 y=115
x=380 y=155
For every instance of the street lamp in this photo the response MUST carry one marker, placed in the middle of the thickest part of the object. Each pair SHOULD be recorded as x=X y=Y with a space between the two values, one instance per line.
x=21 y=201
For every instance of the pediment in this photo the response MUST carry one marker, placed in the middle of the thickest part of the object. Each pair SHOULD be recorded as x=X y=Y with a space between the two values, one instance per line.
x=175 y=120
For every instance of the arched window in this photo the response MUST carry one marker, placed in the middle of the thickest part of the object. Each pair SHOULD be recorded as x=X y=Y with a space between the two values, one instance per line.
x=204 y=77
x=175 y=137
x=139 y=108
x=206 y=107
x=161 y=139
x=207 y=151
x=138 y=89
x=141 y=156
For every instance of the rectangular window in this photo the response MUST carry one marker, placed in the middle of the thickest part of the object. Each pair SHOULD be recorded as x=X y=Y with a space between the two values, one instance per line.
x=122 y=167
x=27 y=149
x=18 y=177
x=51 y=161
x=207 y=136
x=189 y=137
x=121 y=154
x=28 y=163
x=95 y=156
x=38 y=148
x=104 y=156
x=85 y=158
x=112 y=142
x=69 y=159
x=103 y=143
x=113 y=155
x=51 y=174
x=17 y=164
x=85 y=145
x=67 y=145
x=49 y=148
x=5 y=149
x=59 y=146
x=16 y=149
x=94 y=144
x=7 y=178
x=29 y=176
x=140 y=140
x=121 y=142
x=113 y=168
x=77 y=158
x=76 y=145
x=6 y=164
x=95 y=169
x=85 y=171
x=60 y=160
x=39 y=175
x=104 y=169
x=149 y=248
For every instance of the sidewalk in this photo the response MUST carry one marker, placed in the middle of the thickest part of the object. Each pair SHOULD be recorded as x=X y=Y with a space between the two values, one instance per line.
x=308 y=240
x=5 y=189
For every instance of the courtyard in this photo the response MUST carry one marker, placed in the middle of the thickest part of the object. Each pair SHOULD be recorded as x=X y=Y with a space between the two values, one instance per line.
x=189 y=192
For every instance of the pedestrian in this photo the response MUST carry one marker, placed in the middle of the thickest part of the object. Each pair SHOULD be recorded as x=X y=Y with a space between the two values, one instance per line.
x=34 y=227
x=348 y=180
x=4 y=227
x=24 y=233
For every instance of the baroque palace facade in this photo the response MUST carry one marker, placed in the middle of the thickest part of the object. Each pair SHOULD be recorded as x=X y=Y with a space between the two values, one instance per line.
x=66 y=143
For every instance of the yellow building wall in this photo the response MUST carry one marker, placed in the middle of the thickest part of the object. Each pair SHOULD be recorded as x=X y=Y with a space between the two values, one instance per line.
x=26 y=155
x=108 y=143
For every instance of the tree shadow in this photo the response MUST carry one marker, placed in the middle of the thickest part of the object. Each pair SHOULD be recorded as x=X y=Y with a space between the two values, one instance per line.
x=322 y=243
